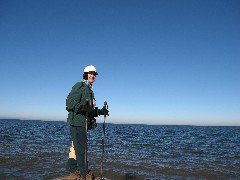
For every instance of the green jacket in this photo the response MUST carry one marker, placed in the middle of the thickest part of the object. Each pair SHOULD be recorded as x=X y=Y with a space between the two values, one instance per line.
x=79 y=94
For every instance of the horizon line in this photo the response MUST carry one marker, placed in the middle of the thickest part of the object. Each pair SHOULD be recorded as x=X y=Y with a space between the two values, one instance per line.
x=124 y=123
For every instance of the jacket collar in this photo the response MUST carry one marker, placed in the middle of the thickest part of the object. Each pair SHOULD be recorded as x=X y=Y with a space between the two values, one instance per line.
x=87 y=83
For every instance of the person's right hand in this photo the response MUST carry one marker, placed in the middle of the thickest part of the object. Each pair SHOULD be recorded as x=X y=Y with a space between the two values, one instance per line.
x=103 y=111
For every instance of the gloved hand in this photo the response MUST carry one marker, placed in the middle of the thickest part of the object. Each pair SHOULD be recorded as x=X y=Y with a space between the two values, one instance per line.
x=91 y=123
x=103 y=111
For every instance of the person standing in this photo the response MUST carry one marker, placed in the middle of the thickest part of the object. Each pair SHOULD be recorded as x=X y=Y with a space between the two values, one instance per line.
x=81 y=107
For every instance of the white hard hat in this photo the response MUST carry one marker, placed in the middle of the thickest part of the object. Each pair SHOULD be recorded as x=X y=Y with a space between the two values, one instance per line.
x=90 y=68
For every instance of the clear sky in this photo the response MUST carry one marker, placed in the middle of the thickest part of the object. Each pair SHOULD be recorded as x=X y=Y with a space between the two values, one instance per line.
x=159 y=62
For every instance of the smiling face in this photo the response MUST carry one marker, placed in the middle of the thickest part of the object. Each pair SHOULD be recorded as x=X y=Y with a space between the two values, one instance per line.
x=91 y=76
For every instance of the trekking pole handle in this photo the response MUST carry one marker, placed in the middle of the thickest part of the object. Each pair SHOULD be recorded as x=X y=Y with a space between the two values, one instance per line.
x=105 y=103
x=105 y=106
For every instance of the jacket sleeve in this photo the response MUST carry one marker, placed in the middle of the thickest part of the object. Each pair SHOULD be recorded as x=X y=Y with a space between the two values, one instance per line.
x=73 y=100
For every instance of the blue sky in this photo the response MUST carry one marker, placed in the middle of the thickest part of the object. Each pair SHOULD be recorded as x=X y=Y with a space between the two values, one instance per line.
x=159 y=62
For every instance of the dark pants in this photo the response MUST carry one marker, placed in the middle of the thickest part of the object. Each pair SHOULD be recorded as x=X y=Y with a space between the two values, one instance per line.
x=79 y=138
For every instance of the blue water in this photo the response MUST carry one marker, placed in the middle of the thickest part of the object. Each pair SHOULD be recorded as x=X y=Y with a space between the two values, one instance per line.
x=39 y=150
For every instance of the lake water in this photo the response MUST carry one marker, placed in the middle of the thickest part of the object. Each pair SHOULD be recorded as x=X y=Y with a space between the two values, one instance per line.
x=39 y=150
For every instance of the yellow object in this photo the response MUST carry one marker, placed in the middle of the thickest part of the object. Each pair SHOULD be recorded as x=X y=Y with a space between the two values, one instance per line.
x=72 y=152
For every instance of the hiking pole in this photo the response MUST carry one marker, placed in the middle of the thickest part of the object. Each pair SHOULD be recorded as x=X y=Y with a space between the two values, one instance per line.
x=87 y=103
x=103 y=137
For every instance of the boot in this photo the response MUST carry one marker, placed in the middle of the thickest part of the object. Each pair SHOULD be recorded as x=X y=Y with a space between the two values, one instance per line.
x=89 y=175
x=75 y=176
